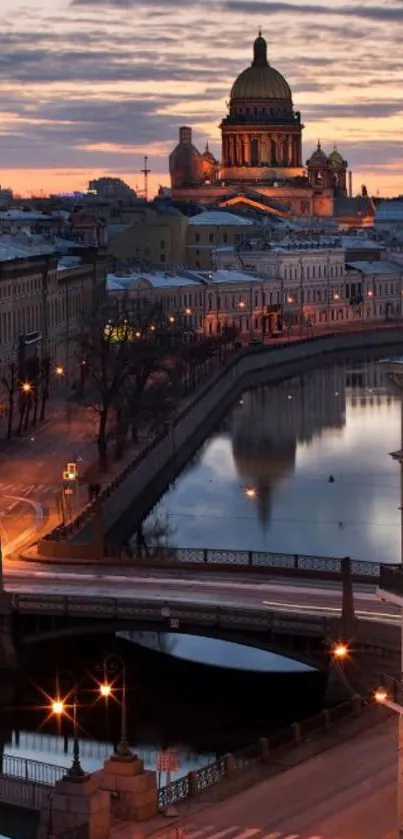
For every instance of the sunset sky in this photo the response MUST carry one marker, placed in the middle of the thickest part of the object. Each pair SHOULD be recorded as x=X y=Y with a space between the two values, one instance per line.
x=88 y=86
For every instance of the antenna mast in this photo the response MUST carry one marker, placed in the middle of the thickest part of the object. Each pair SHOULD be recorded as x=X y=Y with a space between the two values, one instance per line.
x=146 y=171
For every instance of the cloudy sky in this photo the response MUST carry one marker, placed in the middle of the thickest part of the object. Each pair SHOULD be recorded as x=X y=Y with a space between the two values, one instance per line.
x=88 y=86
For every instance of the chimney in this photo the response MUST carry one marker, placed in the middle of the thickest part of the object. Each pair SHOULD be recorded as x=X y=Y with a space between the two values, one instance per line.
x=350 y=184
x=185 y=134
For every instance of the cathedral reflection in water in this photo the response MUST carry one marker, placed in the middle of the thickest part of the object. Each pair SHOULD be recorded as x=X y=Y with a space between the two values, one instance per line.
x=285 y=441
x=269 y=422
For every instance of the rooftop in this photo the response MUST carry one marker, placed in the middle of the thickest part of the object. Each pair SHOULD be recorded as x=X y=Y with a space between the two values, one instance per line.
x=382 y=266
x=157 y=279
x=232 y=276
x=12 y=248
x=217 y=218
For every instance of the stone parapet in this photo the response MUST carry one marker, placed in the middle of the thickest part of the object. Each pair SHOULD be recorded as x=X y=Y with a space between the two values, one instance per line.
x=75 y=803
x=133 y=789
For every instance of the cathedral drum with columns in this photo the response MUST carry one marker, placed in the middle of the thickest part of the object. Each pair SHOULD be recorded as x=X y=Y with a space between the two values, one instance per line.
x=261 y=136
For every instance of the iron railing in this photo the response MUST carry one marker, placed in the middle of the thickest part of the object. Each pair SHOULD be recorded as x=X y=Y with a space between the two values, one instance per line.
x=257 y=559
x=24 y=769
x=259 y=753
x=391 y=579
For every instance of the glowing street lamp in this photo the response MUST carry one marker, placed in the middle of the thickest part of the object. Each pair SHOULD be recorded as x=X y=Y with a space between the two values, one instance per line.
x=188 y=311
x=382 y=698
x=58 y=707
x=241 y=304
x=340 y=651
x=336 y=296
x=26 y=387
x=290 y=299
x=171 y=319
x=250 y=492
x=105 y=689
x=59 y=370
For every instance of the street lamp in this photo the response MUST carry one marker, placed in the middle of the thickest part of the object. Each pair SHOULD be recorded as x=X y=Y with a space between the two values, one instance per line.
x=250 y=492
x=106 y=689
x=59 y=708
x=382 y=698
x=59 y=370
x=26 y=387
x=340 y=651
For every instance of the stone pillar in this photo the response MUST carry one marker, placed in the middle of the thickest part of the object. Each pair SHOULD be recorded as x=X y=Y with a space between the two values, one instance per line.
x=133 y=789
x=8 y=652
x=74 y=803
x=246 y=142
x=290 y=151
x=347 y=612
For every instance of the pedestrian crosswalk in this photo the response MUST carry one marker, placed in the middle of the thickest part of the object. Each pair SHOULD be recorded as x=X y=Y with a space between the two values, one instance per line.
x=26 y=490
x=193 y=831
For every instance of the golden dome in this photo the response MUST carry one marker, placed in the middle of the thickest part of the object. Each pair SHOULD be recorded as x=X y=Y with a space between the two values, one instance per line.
x=260 y=80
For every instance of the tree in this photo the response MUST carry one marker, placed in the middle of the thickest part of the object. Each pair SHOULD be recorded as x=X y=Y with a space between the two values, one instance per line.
x=10 y=383
x=106 y=350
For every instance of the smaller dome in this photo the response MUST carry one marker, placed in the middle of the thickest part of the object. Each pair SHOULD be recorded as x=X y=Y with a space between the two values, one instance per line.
x=318 y=156
x=335 y=158
x=208 y=156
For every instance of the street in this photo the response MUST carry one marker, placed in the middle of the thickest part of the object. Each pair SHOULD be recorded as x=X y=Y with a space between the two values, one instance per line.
x=347 y=792
x=274 y=594
x=31 y=471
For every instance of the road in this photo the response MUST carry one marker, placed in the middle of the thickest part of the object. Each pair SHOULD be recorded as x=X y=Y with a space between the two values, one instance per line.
x=347 y=792
x=275 y=594
x=31 y=471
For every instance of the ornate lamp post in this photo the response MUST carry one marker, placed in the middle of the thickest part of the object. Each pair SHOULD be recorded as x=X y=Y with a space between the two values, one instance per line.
x=59 y=707
x=123 y=749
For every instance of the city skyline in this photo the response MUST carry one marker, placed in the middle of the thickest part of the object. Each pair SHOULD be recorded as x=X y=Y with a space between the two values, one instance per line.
x=90 y=86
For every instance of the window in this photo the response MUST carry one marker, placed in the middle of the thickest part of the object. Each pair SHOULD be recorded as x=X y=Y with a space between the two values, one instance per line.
x=162 y=244
x=211 y=237
x=197 y=237
x=225 y=237
x=162 y=257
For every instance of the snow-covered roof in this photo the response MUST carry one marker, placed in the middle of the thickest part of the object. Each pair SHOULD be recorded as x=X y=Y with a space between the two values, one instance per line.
x=157 y=279
x=389 y=211
x=24 y=215
x=225 y=275
x=383 y=266
x=216 y=218
x=12 y=248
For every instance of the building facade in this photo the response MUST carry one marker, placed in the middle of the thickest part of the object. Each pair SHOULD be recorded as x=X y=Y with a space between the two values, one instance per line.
x=45 y=307
x=272 y=292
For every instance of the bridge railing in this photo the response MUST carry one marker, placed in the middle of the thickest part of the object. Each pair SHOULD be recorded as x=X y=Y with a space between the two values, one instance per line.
x=215 y=559
x=260 y=753
x=391 y=579
x=24 y=769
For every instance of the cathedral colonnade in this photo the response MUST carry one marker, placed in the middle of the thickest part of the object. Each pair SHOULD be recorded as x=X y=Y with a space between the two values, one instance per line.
x=253 y=148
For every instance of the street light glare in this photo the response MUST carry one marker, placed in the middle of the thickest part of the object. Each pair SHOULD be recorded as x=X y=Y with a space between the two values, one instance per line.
x=59 y=370
x=340 y=651
x=380 y=695
x=250 y=492
x=26 y=387
x=105 y=689
x=58 y=707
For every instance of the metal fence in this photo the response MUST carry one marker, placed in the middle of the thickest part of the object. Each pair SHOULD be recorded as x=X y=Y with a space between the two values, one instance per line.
x=261 y=559
x=391 y=579
x=24 y=769
x=260 y=753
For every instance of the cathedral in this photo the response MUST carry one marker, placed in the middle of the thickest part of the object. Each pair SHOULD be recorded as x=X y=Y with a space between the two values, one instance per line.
x=261 y=164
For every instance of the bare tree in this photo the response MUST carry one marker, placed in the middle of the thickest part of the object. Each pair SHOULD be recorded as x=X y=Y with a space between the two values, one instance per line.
x=10 y=382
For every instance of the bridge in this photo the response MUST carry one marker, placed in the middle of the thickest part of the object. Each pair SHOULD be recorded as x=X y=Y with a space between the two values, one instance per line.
x=292 y=605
